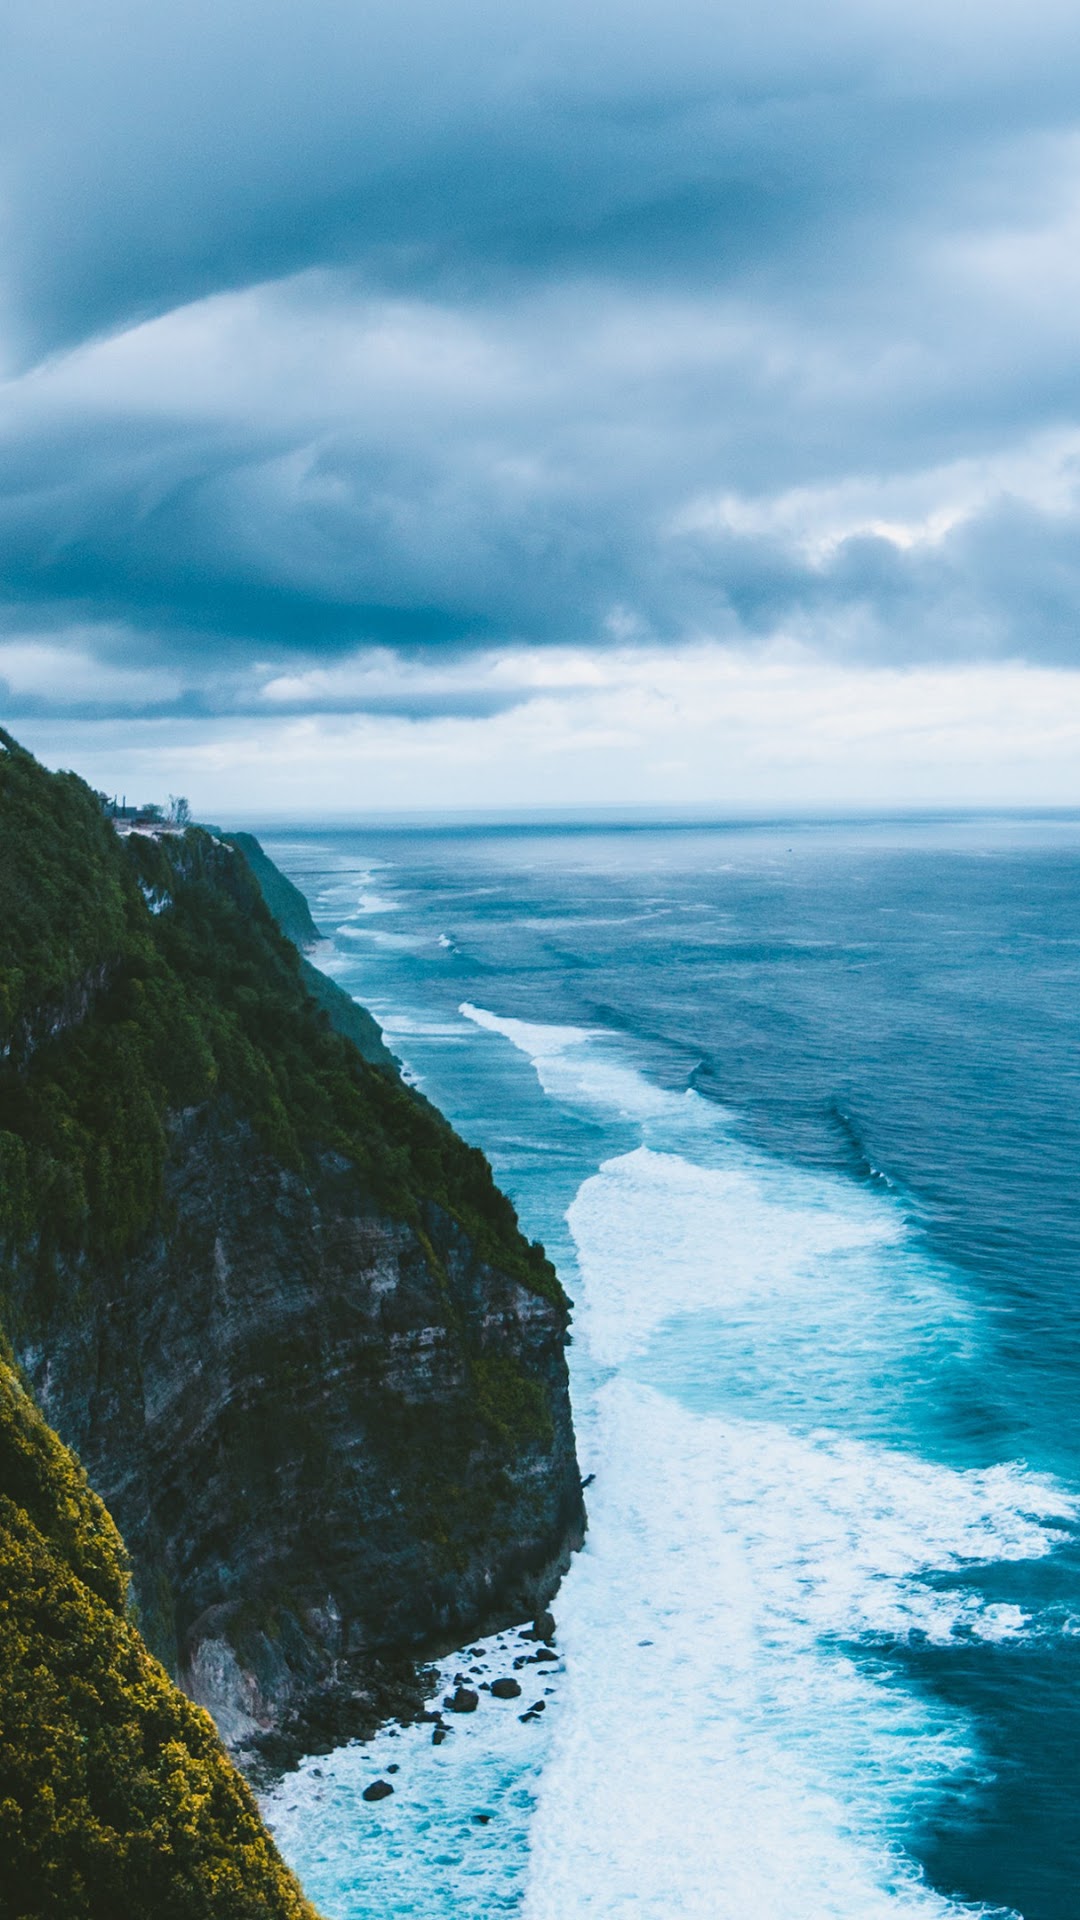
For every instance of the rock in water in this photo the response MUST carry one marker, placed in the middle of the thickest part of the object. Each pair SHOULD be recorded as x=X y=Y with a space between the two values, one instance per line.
x=463 y=1700
x=543 y=1628
x=506 y=1689
x=378 y=1790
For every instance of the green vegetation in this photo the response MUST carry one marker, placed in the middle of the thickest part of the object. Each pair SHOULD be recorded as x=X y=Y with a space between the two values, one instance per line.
x=64 y=904
x=347 y=1017
x=293 y=915
x=142 y=976
x=286 y=902
x=512 y=1405
x=117 y=1801
x=146 y=975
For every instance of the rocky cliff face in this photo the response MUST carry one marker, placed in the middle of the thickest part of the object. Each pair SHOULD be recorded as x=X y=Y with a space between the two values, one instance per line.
x=330 y=1439
x=278 y=1308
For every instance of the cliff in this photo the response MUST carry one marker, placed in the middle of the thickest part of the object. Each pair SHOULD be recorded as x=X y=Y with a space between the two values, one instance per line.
x=288 y=907
x=277 y=1306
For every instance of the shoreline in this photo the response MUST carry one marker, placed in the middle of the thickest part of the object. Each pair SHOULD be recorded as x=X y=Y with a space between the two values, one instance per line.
x=464 y=1773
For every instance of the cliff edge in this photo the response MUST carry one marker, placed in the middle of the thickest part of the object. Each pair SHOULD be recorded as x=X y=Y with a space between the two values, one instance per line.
x=275 y=1303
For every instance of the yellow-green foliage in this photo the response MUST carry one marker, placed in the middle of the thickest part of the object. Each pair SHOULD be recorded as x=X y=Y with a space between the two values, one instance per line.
x=514 y=1406
x=117 y=1801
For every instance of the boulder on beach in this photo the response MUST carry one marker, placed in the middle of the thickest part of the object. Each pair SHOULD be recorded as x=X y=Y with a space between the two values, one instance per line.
x=543 y=1628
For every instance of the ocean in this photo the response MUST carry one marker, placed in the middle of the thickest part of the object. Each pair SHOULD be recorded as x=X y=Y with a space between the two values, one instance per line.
x=794 y=1108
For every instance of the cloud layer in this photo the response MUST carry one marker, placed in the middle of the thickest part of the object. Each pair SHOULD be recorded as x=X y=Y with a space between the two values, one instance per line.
x=707 y=728
x=347 y=347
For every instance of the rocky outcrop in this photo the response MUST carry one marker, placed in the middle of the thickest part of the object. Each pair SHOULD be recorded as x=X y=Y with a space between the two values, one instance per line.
x=331 y=1443
x=55 y=1016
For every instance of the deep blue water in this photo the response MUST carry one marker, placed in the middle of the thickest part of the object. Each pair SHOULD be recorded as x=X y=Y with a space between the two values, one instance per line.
x=795 y=1109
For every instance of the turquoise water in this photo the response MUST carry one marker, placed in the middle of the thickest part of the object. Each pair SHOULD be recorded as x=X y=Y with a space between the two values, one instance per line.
x=795 y=1111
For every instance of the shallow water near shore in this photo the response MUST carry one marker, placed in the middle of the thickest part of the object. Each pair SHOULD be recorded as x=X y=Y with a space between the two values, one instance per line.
x=795 y=1112
x=452 y=1838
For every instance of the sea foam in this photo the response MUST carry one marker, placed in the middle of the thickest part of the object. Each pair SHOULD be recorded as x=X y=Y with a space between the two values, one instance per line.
x=731 y=1741
x=451 y=1842
x=758 y=1350
x=715 y=1757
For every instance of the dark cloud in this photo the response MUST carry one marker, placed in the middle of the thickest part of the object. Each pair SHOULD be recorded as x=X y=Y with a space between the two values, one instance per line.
x=152 y=157
x=156 y=158
x=443 y=329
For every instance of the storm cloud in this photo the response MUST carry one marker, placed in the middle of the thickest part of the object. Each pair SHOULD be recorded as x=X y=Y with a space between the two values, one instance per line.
x=351 y=355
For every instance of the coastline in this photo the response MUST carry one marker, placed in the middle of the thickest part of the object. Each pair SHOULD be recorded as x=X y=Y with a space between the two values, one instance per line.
x=277 y=1306
x=791 y=1535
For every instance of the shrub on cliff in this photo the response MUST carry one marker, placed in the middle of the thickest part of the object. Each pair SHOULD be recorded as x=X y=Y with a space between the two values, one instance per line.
x=117 y=1801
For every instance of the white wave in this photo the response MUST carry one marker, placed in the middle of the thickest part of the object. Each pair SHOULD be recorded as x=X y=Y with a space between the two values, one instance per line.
x=538 y=1041
x=432 y=1026
x=714 y=1757
x=370 y=898
x=422 y=1851
x=377 y=937
x=721 y=1751
x=658 y=1235
x=571 y=1065
x=730 y=1740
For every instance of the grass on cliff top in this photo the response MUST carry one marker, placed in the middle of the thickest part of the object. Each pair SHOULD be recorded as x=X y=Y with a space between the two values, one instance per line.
x=117 y=1801
x=140 y=977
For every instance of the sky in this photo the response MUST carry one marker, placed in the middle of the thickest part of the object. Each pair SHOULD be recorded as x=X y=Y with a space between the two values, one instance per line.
x=512 y=405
